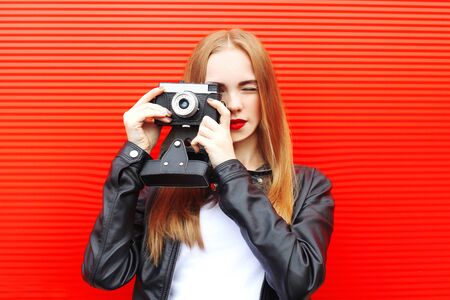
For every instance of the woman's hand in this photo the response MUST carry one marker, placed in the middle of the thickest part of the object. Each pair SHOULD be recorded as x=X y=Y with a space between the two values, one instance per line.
x=139 y=120
x=216 y=138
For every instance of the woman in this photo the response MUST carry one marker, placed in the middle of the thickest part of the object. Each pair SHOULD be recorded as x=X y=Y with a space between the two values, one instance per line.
x=262 y=234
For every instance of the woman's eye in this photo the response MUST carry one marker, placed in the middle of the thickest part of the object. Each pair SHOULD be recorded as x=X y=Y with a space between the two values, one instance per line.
x=250 y=89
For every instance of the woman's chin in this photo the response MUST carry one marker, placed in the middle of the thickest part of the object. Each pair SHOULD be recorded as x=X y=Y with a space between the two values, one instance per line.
x=237 y=137
x=240 y=135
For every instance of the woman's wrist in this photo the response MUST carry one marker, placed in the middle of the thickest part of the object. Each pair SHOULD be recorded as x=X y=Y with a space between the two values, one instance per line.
x=215 y=163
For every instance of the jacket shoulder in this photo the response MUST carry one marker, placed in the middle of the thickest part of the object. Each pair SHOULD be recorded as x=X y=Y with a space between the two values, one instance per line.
x=307 y=174
x=309 y=181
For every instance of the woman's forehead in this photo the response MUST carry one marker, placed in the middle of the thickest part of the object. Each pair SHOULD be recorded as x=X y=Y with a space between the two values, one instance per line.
x=229 y=65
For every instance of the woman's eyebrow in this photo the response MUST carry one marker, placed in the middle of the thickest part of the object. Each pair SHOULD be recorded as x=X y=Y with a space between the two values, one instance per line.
x=252 y=81
x=240 y=84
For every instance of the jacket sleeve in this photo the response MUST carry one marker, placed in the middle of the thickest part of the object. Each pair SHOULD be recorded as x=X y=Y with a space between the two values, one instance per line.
x=111 y=256
x=293 y=256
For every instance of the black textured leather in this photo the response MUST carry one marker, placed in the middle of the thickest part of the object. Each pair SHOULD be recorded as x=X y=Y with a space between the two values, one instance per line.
x=293 y=256
x=176 y=169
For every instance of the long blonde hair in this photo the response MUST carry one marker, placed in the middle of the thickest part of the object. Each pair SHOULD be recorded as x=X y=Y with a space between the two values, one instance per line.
x=175 y=212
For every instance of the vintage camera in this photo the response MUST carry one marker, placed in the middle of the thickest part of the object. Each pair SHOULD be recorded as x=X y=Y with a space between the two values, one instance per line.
x=178 y=164
x=187 y=102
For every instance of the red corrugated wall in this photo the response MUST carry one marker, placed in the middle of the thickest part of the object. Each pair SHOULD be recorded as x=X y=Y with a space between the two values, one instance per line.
x=366 y=89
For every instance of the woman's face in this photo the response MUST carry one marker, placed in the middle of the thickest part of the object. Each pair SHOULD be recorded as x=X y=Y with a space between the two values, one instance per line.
x=232 y=70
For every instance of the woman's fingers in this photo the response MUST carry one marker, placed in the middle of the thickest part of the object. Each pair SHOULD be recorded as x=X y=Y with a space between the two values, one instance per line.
x=139 y=119
x=156 y=107
x=209 y=123
x=206 y=132
x=213 y=136
x=195 y=147
x=152 y=94
x=164 y=119
x=204 y=136
x=197 y=142
x=147 y=112
x=225 y=114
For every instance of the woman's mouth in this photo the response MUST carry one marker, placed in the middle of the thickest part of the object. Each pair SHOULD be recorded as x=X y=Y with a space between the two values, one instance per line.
x=237 y=124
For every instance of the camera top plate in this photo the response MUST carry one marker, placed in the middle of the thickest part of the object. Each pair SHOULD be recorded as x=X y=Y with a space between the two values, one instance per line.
x=198 y=88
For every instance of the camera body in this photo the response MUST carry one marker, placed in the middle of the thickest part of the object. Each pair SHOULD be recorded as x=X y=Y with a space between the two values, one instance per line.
x=178 y=164
x=187 y=102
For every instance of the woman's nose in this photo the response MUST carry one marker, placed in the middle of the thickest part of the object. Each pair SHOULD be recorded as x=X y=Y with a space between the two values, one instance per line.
x=233 y=102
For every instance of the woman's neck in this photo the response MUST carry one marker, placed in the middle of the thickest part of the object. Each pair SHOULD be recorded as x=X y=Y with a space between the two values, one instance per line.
x=249 y=153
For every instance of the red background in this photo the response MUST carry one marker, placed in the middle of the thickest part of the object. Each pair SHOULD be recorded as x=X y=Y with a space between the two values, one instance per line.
x=366 y=89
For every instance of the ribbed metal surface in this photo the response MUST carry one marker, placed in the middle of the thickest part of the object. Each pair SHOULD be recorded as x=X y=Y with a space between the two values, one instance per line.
x=365 y=85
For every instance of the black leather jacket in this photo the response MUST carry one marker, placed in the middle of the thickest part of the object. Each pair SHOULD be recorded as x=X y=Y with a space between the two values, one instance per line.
x=293 y=256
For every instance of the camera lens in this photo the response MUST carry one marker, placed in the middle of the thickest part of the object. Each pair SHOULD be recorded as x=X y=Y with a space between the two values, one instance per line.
x=185 y=104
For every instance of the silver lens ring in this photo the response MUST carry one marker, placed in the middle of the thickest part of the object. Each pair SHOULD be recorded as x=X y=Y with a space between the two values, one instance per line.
x=188 y=111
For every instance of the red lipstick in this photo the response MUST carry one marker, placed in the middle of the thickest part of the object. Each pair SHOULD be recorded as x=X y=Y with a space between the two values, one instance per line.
x=237 y=124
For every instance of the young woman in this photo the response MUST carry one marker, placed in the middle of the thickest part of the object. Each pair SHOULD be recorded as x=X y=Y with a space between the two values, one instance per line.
x=262 y=234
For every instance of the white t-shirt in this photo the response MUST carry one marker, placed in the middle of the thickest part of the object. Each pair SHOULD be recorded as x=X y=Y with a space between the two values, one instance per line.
x=226 y=269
